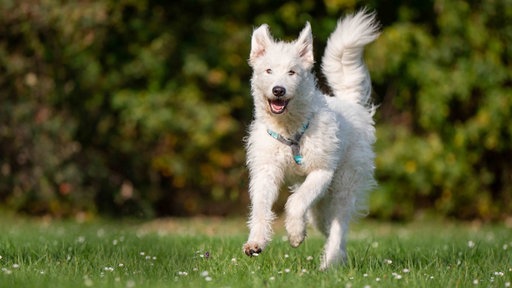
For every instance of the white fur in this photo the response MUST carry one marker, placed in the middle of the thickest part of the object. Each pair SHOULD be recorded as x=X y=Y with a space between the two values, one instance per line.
x=330 y=186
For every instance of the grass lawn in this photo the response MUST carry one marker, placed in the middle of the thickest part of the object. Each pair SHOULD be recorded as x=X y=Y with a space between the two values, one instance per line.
x=207 y=253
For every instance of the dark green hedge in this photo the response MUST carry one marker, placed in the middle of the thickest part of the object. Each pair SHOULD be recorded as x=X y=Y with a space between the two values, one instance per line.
x=140 y=107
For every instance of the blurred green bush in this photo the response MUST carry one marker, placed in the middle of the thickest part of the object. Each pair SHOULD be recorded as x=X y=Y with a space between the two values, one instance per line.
x=140 y=107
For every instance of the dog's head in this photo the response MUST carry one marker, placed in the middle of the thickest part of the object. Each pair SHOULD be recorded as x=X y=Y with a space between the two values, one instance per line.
x=279 y=68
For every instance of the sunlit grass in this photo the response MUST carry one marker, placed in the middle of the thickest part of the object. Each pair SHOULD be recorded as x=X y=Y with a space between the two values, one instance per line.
x=207 y=252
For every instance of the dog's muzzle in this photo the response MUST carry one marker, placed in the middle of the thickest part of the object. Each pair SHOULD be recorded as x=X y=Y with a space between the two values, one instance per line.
x=278 y=105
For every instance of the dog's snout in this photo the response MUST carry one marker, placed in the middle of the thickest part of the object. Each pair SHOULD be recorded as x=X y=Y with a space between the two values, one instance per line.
x=278 y=91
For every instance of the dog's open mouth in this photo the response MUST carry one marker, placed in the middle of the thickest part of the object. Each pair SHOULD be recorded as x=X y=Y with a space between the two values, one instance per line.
x=278 y=106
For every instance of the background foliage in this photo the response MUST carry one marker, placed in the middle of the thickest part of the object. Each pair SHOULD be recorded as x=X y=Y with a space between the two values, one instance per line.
x=140 y=107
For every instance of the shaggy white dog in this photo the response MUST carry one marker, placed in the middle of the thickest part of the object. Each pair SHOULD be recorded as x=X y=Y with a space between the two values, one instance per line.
x=320 y=145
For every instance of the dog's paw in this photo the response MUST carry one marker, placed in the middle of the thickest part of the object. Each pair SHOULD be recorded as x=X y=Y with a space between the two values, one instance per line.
x=296 y=240
x=296 y=228
x=252 y=249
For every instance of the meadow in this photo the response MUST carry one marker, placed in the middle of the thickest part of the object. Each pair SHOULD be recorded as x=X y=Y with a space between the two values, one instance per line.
x=206 y=252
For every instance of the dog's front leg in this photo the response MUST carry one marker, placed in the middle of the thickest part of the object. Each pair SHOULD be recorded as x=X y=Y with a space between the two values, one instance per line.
x=300 y=201
x=263 y=188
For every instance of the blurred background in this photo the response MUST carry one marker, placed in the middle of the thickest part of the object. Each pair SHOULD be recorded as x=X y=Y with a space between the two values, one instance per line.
x=139 y=108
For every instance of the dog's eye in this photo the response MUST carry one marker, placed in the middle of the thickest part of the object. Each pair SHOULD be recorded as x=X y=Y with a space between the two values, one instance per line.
x=291 y=72
x=269 y=71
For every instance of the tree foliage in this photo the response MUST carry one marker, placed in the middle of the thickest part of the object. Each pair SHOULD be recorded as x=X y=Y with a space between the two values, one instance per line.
x=140 y=107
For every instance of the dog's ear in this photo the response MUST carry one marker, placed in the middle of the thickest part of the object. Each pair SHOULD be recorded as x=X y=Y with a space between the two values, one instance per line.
x=261 y=39
x=305 y=46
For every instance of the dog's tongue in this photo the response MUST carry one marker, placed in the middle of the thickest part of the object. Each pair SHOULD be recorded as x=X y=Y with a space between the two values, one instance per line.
x=278 y=106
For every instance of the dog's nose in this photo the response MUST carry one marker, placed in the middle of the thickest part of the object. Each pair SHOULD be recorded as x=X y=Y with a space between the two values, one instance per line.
x=278 y=91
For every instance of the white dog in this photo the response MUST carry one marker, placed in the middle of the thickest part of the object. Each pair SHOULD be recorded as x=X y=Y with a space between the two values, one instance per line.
x=320 y=145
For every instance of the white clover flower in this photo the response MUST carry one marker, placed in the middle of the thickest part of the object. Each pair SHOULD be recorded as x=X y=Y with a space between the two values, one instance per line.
x=204 y=273
x=15 y=266
x=475 y=282
x=388 y=261
x=471 y=244
x=130 y=284
x=309 y=258
x=208 y=278
x=396 y=275
x=287 y=270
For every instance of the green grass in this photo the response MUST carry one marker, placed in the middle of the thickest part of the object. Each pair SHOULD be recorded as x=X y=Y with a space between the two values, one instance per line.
x=173 y=254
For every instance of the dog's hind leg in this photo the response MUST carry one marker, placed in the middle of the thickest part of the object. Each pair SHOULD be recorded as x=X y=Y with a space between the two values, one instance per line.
x=334 y=248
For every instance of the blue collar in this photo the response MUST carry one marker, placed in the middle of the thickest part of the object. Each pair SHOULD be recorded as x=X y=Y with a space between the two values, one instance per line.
x=293 y=143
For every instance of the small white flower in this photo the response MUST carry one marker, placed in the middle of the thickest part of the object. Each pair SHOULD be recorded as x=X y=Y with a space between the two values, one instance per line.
x=406 y=270
x=475 y=282
x=388 y=261
x=142 y=253
x=208 y=278
x=109 y=269
x=471 y=244
x=121 y=265
x=507 y=284
x=15 y=266
x=499 y=273
x=272 y=278
x=286 y=256
x=287 y=270
x=377 y=279
x=365 y=275
x=309 y=258
x=233 y=260
x=204 y=273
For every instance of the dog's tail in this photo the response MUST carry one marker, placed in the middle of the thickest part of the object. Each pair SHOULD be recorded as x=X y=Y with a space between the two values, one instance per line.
x=343 y=64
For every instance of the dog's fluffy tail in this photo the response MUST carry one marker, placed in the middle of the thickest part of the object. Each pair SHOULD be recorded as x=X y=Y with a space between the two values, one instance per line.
x=342 y=64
